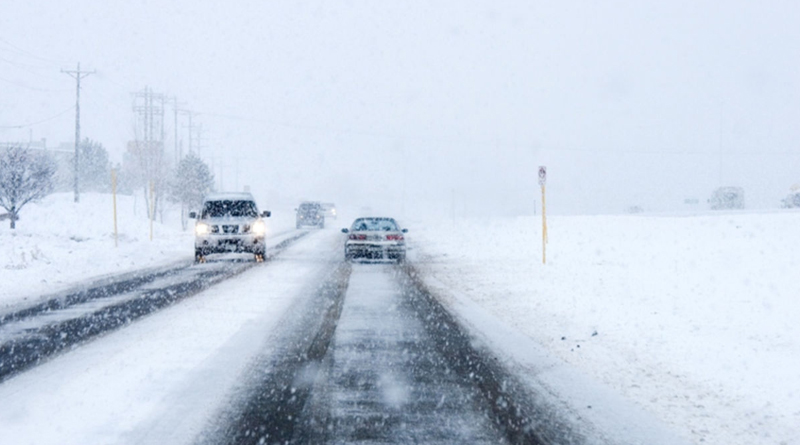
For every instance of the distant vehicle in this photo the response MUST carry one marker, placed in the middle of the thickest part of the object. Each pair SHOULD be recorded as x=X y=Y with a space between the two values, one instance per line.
x=727 y=198
x=792 y=201
x=329 y=209
x=310 y=214
x=375 y=238
x=229 y=222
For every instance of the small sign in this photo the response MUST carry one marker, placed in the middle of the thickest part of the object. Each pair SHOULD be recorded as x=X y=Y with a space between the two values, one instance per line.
x=542 y=175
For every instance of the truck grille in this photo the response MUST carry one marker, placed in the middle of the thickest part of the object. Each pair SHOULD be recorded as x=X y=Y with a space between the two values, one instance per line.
x=230 y=229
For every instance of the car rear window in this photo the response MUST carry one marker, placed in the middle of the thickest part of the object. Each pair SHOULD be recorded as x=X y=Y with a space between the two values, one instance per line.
x=226 y=208
x=386 y=225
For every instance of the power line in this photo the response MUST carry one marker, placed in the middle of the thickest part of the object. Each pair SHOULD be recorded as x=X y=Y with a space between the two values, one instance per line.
x=22 y=85
x=17 y=50
x=30 y=124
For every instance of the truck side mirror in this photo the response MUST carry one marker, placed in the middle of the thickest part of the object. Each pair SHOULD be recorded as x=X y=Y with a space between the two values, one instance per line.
x=345 y=231
x=266 y=214
x=193 y=215
x=405 y=230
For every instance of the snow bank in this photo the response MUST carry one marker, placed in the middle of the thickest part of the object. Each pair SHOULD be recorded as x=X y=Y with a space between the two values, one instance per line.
x=694 y=319
x=58 y=243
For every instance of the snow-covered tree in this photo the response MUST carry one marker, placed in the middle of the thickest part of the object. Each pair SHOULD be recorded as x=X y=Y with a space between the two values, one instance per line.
x=94 y=167
x=25 y=177
x=191 y=182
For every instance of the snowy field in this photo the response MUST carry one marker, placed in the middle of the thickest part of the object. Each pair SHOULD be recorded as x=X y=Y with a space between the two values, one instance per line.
x=692 y=318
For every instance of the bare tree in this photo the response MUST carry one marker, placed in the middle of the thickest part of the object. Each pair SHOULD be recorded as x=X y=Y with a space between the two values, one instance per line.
x=149 y=167
x=25 y=177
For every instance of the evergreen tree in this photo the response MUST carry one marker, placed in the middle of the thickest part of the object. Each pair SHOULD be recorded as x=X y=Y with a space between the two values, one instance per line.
x=191 y=182
x=93 y=166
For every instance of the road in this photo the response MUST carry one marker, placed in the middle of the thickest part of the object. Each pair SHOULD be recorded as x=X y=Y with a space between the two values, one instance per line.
x=384 y=380
x=303 y=348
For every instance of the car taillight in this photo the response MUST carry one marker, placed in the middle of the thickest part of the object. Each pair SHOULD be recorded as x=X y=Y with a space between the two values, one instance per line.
x=358 y=237
x=394 y=237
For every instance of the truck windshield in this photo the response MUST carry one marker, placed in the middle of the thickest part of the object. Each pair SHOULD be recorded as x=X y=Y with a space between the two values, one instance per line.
x=222 y=209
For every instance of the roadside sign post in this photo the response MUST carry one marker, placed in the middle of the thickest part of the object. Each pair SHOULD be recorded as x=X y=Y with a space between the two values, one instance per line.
x=542 y=183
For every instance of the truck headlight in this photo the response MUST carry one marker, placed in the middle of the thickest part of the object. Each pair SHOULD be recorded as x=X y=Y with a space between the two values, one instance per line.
x=202 y=229
x=259 y=228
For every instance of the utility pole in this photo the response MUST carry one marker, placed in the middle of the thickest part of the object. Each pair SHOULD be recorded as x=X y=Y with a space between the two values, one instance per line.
x=199 y=145
x=176 y=110
x=77 y=75
x=191 y=128
x=163 y=100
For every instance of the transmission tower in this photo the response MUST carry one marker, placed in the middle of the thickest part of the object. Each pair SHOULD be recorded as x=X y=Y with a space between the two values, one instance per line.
x=150 y=107
x=149 y=149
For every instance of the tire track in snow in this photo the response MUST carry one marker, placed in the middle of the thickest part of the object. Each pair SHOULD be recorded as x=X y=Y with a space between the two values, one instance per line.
x=30 y=336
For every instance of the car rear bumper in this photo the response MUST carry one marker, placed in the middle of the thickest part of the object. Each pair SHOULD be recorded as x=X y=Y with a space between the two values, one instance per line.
x=375 y=250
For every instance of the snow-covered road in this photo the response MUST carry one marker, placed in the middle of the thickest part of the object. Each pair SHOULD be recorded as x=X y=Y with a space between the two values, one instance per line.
x=198 y=371
x=31 y=334
x=384 y=380
x=160 y=379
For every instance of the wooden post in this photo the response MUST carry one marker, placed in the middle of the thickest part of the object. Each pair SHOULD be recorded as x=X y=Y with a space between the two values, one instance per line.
x=544 y=228
x=542 y=182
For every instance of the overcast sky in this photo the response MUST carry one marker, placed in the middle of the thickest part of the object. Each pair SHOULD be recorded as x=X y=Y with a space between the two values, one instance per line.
x=410 y=106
